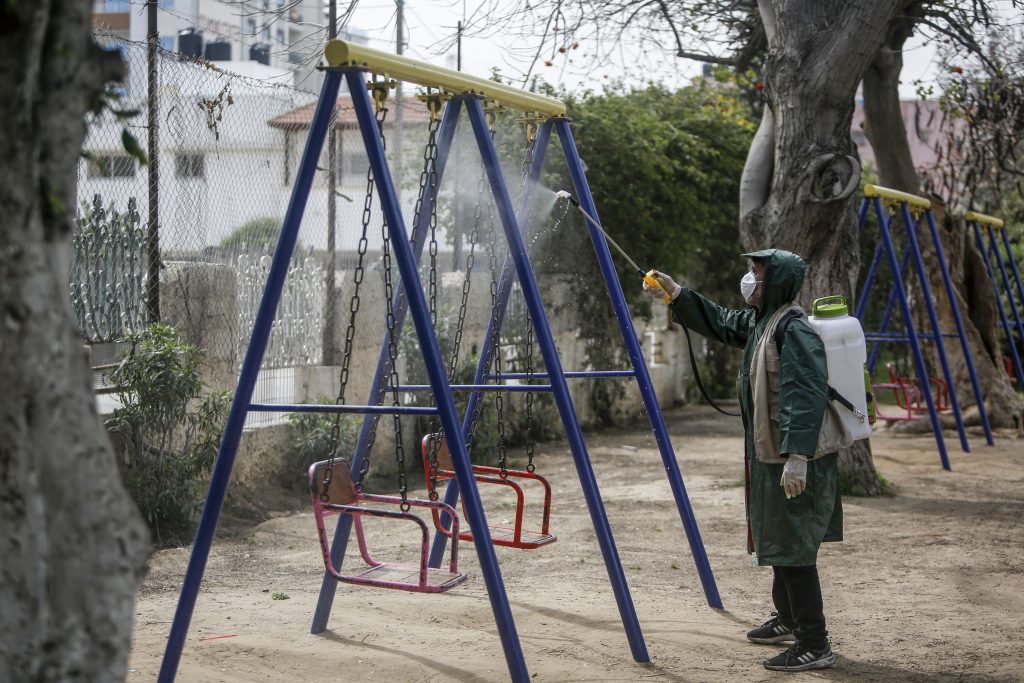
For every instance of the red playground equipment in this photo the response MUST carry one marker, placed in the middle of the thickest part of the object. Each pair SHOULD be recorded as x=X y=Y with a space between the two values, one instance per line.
x=437 y=467
x=909 y=395
x=332 y=493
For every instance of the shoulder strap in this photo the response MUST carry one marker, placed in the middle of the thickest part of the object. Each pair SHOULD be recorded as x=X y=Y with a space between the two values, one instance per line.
x=780 y=329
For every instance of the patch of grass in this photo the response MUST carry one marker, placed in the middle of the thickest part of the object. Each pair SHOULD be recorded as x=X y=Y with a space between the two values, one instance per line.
x=279 y=596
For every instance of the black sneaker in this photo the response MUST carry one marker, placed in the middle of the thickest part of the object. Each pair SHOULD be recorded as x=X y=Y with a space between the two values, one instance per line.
x=801 y=658
x=772 y=631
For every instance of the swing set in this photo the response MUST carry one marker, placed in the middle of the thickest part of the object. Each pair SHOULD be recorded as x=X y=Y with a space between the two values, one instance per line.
x=910 y=391
x=990 y=252
x=336 y=490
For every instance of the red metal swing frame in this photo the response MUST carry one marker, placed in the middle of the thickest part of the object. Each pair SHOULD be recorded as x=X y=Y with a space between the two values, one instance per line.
x=336 y=495
x=507 y=536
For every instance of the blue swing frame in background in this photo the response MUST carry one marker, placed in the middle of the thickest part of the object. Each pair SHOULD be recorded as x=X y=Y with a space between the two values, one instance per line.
x=412 y=299
x=911 y=208
x=988 y=252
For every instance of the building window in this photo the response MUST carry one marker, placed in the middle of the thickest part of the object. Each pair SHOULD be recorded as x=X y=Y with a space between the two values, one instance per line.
x=352 y=160
x=280 y=35
x=189 y=165
x=167 y=43
x=111 y=166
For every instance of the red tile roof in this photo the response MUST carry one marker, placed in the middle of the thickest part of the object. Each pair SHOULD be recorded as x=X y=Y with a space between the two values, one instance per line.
x=299 y=119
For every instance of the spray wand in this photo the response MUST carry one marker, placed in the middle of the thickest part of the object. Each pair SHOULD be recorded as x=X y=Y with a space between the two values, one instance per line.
x=652 y=283
x=648 y=275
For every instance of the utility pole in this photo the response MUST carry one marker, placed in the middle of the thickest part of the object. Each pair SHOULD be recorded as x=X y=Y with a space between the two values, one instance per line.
x=399 y=114
x=153 y=149
x=457 y=206
x=330 y=262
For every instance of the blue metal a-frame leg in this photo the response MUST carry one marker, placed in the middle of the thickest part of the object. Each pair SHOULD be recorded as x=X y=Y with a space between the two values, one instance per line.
x=438 y=378
x=640 y=371
x=247 y=378
x=908 y=320
x=400 y=307
x=1013 y=340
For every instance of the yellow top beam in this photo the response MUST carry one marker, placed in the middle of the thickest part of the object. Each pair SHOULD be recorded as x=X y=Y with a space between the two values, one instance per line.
x=983 y=219
x=886 y=193
x=343 y=53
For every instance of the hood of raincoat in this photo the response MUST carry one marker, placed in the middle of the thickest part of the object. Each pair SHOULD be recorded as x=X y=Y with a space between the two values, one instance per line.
x=783 y=278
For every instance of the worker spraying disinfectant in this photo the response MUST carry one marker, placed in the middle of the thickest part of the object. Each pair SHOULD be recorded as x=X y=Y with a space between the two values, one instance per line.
x=647 y=275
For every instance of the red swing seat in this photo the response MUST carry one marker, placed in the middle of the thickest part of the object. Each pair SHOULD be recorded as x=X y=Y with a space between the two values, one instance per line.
x=340 y=497
x=507 y=536
x=912 y=398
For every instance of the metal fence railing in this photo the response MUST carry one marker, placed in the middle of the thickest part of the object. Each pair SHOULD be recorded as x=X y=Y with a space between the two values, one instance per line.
x=227 y=154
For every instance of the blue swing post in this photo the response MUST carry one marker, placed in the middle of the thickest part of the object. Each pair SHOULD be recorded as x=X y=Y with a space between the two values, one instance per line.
x=247 y=378
x=1012 y=261
x=1011 y=339
x=438 y=379
x=873 y=195
x=964 y=346
x=570 y=422
x=640 y=371
x=1007 y=287
x=926 y=293
x=329 y=585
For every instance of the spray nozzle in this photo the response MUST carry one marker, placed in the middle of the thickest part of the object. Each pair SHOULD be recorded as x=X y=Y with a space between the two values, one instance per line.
x=564 y=194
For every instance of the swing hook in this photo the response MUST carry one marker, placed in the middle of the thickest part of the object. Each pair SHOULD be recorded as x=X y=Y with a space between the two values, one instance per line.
x=380 y=88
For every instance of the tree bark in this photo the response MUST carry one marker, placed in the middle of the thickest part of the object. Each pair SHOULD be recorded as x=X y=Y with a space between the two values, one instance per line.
x=817 y=52
x=72 y=543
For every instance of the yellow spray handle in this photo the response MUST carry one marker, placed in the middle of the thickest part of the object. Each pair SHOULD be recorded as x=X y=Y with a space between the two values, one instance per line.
x=653 y=283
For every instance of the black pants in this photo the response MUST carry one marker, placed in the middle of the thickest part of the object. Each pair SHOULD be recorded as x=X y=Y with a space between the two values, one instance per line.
x=796 y=592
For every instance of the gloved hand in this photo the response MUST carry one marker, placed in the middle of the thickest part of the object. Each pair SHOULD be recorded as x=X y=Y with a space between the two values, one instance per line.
x=667 y=284
x=794 y=475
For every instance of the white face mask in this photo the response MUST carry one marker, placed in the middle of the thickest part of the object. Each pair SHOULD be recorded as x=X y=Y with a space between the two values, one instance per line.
x=747 y=286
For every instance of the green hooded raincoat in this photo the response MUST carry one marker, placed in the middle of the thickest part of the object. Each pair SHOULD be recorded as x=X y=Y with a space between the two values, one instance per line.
x=781 y=531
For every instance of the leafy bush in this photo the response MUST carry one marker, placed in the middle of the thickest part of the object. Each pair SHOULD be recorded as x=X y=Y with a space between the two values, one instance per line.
x=312 y=440
x=166 y=442
x=259 y=232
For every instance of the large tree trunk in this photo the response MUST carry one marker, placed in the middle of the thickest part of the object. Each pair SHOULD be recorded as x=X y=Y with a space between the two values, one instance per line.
x=71 y=541
x=817 y=52
x=885 y=130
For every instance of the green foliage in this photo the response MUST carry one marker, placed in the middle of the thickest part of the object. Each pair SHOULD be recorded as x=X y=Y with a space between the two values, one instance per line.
x=259 y=232
x=165 y=437
x=312 y=440
x=849 y=487
x=664 y=167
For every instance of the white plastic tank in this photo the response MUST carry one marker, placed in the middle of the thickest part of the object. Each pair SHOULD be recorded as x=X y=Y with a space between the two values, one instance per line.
x=846 y=354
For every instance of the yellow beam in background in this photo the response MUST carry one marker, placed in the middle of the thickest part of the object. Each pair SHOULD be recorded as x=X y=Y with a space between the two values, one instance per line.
x=341 y=53
x=983 y=219
x=896 y=195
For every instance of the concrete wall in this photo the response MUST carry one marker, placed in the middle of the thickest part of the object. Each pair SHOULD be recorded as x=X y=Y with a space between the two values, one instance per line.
x=189 y=287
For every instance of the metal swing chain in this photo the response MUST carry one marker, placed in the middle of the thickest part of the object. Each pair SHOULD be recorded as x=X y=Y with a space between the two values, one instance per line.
x=481 y=187
x=380 y=93
x=428 y=182
x=350 y=331
x=495 y=332
x=530 y=443
x=403 y=483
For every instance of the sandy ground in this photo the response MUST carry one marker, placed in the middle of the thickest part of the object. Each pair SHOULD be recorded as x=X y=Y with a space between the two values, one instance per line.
x=927 y=586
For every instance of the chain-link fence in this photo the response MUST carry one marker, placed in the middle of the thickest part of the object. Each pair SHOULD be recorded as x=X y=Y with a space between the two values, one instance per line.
x=228 y=152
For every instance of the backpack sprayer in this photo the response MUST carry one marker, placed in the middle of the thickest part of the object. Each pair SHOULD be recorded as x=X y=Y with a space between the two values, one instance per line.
x=652 y=282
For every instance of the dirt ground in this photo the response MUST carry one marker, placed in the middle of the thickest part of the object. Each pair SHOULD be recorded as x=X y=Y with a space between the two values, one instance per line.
x=927 y=586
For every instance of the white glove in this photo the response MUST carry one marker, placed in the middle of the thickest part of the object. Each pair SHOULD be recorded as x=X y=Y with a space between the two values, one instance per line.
x=794 y=475
x=667 y=286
